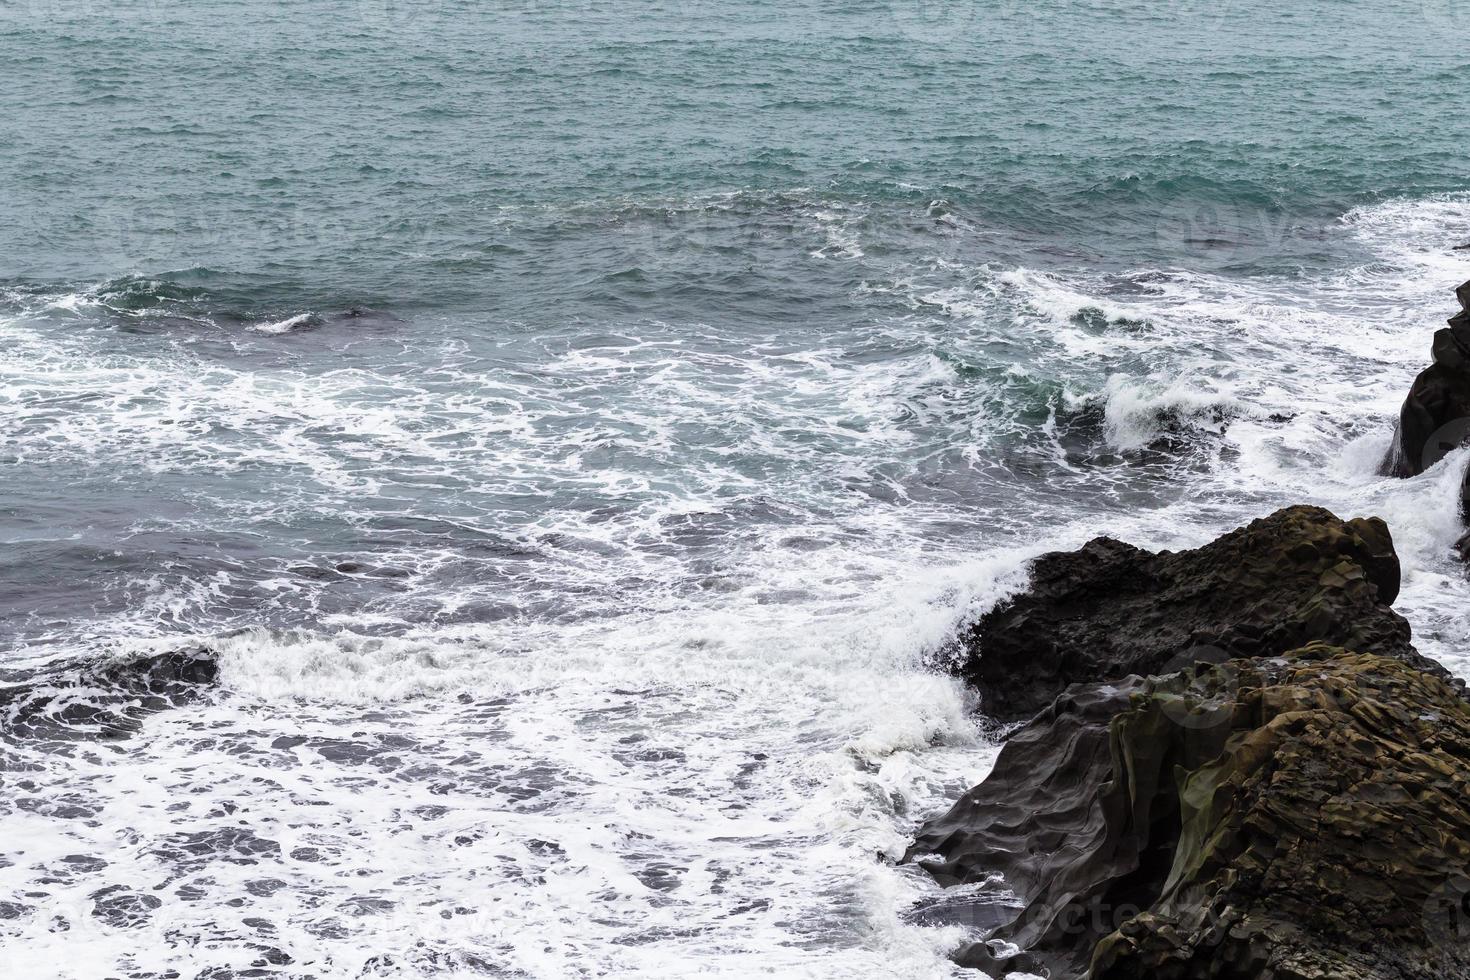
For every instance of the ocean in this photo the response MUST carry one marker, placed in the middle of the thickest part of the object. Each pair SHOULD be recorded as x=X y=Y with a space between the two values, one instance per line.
x=580 y=429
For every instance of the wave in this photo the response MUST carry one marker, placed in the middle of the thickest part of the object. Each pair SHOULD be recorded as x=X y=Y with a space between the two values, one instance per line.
x=292 y=324
x=193 y=299
x=642 y=769
x=1158 y=413
x=102 y=700
x=601 y=613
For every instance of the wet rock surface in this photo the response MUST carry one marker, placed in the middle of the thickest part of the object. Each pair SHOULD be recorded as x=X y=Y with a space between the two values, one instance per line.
x=1435 y=418
x=1301 y=816
x=1110 y=609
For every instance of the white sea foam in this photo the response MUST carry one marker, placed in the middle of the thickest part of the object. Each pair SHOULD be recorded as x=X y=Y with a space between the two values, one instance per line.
x=697 y=709
x=1137 y=412
x=288 y=325
x=524 y=799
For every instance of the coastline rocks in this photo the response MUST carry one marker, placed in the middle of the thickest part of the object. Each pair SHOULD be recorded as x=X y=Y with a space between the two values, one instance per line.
x=1110 y=610
x=1039 y=820
x=1304 y=816
x=1435 y=418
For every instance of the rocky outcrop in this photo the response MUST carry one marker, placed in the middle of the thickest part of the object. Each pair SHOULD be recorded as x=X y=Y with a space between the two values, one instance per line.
x=1436 y=416
x=1039 y=821
x=1286 y=818
x=1239 y=768
x=1110 y=610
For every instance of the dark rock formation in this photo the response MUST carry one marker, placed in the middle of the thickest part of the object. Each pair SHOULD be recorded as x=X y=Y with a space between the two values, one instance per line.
x=1436 y=416
x=1038 y=820
x=1301 y=817
x=104 y=701
x=1110 y=610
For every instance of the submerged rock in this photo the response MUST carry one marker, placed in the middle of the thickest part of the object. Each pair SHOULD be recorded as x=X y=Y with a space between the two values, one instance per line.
x=1110 y=610
x=104 y=701
x=1435 y=418
x=1304 y=816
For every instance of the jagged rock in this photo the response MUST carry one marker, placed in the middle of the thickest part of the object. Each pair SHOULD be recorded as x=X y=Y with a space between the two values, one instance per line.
x=1109 y=609
x=1034 y=818
x=1435 y=418
x=1302 y=817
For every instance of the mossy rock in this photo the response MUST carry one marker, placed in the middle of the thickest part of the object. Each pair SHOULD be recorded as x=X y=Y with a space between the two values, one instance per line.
x=1282 y=818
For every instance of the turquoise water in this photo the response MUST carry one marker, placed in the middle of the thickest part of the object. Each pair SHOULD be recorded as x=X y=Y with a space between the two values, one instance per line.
x=580 y=427
x=516 y=158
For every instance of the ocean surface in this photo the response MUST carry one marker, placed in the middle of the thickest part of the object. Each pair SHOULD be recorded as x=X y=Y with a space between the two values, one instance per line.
x=580 y=428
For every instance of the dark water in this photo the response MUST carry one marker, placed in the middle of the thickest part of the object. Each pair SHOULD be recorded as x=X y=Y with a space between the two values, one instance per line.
x=572 y=428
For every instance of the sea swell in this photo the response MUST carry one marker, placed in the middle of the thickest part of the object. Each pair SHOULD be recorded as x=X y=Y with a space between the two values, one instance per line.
x=635 y=698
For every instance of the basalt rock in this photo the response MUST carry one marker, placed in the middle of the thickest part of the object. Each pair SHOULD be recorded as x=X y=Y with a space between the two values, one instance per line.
x=1301 y=817
x=1110 y=610
x=1435 y=418
x=1039 y=820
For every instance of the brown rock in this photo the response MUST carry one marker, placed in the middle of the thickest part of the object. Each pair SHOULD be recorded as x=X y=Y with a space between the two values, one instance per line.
x=1294 y=818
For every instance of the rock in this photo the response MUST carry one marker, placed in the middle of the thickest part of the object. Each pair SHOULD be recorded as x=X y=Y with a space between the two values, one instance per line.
x=1300 y=817
x=1110 y=610
x=1435 y=418
x=107 y=700
x=1035 y=817
x=995 y=962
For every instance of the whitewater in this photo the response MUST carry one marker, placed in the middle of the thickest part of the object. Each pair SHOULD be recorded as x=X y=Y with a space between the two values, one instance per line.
x=690 y=734
x=569 y=437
